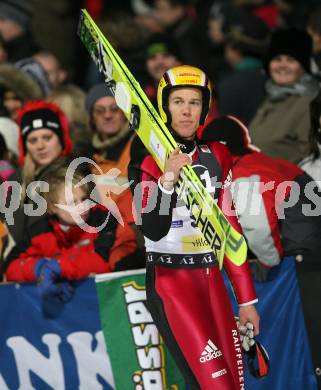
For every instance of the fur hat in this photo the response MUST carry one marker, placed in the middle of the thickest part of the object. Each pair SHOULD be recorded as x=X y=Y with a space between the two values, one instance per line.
x=292 y=42
x=20 y=83
x=96 y=92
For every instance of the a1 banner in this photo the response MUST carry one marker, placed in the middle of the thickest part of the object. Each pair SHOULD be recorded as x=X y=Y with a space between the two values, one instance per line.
x=132 y=338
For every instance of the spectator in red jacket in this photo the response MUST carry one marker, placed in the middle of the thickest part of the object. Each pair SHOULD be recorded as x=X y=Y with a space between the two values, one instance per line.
x=269 y=196
x=73 y=240
x=288 y=222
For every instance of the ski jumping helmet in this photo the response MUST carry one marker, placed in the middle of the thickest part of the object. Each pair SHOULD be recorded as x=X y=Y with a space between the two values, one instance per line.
x=178 y=77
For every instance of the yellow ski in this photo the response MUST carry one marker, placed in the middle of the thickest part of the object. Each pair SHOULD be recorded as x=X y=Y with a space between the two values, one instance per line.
x=144 y=119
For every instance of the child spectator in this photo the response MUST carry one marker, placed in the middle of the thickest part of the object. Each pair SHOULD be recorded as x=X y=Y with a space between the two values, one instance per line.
x=59 y=247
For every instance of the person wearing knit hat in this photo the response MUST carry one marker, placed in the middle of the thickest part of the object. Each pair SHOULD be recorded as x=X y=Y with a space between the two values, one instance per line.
x=292 y=42
x=111 y=144
x=112 y=137
x=96 y=92
x=43 y=139
x=281 y=125
x=44 y=133
x=162 y=53
x=107 y=122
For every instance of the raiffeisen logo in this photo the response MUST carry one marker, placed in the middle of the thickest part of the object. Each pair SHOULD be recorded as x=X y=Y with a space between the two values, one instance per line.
x=103 y=185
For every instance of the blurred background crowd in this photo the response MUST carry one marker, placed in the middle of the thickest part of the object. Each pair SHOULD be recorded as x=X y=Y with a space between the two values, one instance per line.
x=263 y=58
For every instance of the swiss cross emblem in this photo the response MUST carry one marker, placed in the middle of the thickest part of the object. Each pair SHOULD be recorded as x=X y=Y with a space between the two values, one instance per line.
x=205 y=149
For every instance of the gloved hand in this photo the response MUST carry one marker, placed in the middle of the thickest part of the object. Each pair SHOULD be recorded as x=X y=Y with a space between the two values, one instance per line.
x=256 y=356
x=259 y=271
x=247 y=335
x=48 y=273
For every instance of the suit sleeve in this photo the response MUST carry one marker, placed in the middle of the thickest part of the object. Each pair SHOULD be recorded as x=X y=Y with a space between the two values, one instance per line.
x=240 y=276
x=154 y=205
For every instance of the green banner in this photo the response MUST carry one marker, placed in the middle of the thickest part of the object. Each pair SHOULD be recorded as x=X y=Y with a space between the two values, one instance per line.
x=139 y=358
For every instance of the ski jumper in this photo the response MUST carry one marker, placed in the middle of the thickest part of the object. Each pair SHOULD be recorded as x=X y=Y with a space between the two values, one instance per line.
x=186 y=294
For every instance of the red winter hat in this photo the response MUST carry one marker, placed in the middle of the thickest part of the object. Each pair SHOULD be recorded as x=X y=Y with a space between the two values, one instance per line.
x=39 y=114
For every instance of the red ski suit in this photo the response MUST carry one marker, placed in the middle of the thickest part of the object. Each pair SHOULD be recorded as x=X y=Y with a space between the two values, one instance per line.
x=185 y=291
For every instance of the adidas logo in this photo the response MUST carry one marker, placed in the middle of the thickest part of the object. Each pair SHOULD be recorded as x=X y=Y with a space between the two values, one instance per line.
x=210 y=352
